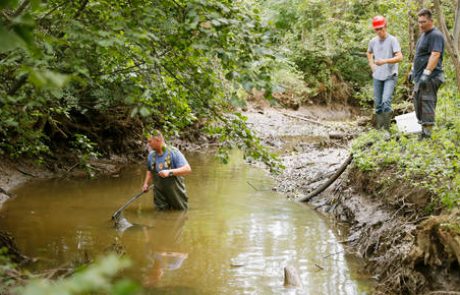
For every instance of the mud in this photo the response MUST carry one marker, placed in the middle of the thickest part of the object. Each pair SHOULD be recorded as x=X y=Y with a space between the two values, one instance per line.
x=410 y=245
x=307 y=149
x=14 y=173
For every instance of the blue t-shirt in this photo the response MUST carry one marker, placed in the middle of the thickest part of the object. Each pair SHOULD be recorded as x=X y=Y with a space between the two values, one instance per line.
x=429 y=41
x=172 y=158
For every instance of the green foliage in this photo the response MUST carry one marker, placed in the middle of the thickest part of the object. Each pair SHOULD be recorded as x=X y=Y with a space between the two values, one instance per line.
x=96 y=277
x=231 y=127
x=432 y=164
x=312 y=35
x=85 y=150
x=7 y=281
x=106 y=69
x=327 y=42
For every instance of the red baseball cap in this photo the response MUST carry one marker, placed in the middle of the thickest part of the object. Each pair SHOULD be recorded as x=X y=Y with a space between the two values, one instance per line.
x=378 y=22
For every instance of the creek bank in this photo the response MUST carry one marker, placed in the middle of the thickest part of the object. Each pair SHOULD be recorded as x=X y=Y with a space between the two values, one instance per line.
x=14 y=173
x=407 y=248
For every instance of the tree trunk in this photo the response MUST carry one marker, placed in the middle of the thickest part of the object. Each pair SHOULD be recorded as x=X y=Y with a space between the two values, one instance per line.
x=413 y=28
x=291 y=277
x=452 y=41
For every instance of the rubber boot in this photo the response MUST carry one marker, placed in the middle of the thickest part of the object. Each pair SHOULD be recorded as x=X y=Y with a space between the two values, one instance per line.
x=426 y=132
x=386 y=120
x=379 y=120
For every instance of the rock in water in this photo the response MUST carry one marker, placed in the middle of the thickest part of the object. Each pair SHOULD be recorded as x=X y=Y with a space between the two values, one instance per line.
x=291 y=277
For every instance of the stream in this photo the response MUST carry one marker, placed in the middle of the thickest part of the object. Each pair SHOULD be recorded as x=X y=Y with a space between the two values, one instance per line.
x=236 y=238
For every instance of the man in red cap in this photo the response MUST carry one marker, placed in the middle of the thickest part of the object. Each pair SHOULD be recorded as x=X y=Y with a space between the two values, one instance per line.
x=383 y=54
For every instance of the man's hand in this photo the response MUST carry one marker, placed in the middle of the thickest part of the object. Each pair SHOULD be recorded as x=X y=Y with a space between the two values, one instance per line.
x=164 y=173
x=380 y=62
x=145 y=187
x=425 y=78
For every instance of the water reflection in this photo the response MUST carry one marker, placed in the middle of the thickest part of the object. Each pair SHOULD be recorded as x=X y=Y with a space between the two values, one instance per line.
x=162 y=254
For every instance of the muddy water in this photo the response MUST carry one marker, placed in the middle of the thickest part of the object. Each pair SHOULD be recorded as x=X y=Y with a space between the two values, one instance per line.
x=236 y=238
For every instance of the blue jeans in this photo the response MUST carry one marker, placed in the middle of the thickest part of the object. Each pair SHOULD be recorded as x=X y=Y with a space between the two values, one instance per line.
x=383 y=92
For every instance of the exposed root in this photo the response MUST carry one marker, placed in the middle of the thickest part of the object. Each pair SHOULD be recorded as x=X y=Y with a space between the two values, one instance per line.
x=409 y=251
x=7 y=242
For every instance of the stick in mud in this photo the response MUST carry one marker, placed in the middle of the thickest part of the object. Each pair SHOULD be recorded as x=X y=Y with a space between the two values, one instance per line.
x=304 y=119
x=256 y=189
x=291 y=277
x=324 y=186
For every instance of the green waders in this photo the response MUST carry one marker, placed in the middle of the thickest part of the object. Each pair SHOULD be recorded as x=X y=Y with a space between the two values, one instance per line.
x=169 y=193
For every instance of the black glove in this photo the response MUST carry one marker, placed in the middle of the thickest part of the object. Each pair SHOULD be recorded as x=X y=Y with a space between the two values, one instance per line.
x=425 y=78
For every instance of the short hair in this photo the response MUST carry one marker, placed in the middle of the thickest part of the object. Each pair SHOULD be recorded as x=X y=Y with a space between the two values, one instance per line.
x=155 y=133
x=425 y=12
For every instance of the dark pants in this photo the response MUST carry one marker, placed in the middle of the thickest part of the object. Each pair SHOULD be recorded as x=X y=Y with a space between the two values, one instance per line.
x=425 y=99
x=169 y=193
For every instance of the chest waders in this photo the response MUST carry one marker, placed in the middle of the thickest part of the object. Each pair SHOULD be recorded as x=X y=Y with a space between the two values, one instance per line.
x=169 y=192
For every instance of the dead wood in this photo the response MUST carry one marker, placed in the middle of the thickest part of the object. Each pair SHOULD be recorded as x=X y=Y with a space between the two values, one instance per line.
x=291 y=277
x=331 y=180
x=304 y=119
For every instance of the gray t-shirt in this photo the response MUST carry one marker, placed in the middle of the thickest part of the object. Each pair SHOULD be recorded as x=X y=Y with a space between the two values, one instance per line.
x=381 y=49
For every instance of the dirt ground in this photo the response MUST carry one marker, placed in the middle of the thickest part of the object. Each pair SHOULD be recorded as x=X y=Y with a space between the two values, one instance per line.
x=311 y=142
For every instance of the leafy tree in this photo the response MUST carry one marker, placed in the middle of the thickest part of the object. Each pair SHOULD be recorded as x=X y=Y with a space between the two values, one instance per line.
x=106 y=69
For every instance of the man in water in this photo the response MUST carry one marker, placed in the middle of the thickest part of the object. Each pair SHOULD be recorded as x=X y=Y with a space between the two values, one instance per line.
x=166 y=166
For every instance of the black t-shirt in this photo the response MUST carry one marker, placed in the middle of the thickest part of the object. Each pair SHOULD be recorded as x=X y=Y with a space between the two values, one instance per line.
x=429 y=41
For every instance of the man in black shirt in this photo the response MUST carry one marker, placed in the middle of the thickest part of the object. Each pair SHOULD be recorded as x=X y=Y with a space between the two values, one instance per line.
x=427 y=73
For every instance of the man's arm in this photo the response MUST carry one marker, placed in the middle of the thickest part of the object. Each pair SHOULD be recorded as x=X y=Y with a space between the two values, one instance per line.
x=394 y=60
x=147 y=181
x=370 y=60
x=433 y=60
x=181 y=171
x=182 y=166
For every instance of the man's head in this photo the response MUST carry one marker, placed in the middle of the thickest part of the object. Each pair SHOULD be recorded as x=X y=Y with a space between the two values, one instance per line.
x=156 y=140
x=425 y=21
x=379 y=24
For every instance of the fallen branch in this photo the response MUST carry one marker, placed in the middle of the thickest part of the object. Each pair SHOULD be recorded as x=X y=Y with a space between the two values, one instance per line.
x=252 y=186
x=256 y=189
x=332 y=254
x=25 y=172
x=319 y=266
x=321 y=177
x=331 y=180
x=304 y=119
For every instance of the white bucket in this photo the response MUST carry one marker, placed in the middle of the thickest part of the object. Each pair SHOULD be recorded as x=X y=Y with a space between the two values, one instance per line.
x=408 y=123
